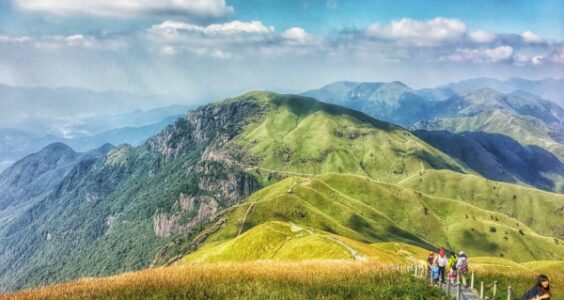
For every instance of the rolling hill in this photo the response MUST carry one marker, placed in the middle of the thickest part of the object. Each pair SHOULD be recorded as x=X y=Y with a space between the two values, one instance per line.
x=114 y=214
x=499 y=157
x=340 y=215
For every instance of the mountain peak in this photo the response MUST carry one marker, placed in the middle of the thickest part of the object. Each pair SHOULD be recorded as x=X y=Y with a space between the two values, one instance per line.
x=57 y=147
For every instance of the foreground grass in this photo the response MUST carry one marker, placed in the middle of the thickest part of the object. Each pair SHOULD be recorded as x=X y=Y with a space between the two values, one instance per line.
x=256 y=280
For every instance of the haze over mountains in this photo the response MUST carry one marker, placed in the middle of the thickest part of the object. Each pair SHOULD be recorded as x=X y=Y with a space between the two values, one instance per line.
x=226 y=173
x=32 y=118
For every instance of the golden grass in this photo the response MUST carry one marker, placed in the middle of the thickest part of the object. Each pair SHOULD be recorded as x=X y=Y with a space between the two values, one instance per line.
x=293 y=280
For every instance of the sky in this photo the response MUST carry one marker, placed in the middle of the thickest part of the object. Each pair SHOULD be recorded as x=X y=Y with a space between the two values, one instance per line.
x=206 y=49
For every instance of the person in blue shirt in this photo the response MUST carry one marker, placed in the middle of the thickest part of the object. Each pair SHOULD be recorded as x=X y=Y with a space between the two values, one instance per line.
x=540 y=291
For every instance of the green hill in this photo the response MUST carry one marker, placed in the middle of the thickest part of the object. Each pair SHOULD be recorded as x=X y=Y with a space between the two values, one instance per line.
x=542 y=211
x=357 y=208
x=526 y=130
x=113 y=214
x=302 y=135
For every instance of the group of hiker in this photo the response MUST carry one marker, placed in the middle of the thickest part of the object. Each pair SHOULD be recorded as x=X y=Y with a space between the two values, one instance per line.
x=457 y=267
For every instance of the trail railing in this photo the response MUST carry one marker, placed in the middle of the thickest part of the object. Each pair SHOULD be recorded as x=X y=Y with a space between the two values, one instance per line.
x=457 y=291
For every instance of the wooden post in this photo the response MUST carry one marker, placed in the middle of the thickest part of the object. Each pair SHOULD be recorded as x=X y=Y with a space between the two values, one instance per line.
x=458 y=292
x=472 y=281
x=509 y=293
x=495 y=289
x=448 y=290
x=481 y=290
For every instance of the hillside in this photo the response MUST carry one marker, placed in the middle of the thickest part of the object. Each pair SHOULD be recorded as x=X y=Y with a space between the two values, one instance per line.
x=113 y=214
x=34 y=176
x=357 y=211
x=527 y=131
x=542 y=211
x=498 y=157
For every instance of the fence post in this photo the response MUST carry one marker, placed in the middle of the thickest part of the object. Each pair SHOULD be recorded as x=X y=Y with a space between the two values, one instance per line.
x=458 y=292
x=495 y=289
x=448 y=291
x=472 y=281
x=509 y=293
x=481 y=290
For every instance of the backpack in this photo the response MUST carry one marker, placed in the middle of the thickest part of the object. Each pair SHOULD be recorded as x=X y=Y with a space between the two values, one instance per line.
x=464 y=266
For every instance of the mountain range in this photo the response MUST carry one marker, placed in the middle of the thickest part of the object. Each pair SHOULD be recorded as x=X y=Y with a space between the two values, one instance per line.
x=240 y=169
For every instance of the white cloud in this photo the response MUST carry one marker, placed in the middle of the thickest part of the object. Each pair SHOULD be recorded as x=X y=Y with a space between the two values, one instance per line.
x=498 y=54
x=128 y=8
x=231 y=28
x=421 y=33
x=296 y=35
x=54 y=42
x=531 y=38
x=234 y=39
x=481 y=36
x=537 y=59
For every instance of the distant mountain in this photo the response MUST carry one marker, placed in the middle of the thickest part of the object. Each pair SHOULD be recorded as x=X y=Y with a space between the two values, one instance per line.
x=552 y=89
x=114 y=214
x=103 y=123
x=393 y=102
x=500 y=158
x=59 y=105
x=32 y=177
x=521 y=116
x=17 y=143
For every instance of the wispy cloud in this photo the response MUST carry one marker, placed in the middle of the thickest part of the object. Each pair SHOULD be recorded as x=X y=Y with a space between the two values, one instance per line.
x=129 y=8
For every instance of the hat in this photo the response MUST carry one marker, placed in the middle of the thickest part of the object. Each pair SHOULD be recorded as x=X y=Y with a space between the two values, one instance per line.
x=461 y=253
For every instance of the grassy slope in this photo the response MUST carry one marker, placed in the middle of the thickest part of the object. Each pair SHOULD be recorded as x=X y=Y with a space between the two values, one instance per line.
x=303 y=135
x=525 y=130
x=542 y=211
x=284 y=241
x=256 y=280
x=364 y=210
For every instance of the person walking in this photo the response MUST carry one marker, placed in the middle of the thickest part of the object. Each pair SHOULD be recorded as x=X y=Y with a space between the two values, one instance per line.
x=430 y=261
x=452 y=261
x=442 y=262
x=541 y=290
x=462 y=268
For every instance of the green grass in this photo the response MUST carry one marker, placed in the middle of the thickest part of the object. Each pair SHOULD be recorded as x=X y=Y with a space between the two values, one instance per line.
x=303 y=135
x=522 y=129
x=539 y=210
x=358 y=208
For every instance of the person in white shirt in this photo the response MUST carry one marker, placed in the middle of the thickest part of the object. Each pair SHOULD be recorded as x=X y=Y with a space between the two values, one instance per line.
x=442 y=261
x=462 y=267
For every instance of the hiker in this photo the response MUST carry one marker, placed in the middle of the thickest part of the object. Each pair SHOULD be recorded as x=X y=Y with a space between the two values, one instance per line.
x=452 y=261
x=435 y=273
x=430 y=261
x=442 y=262
x=540 y=291
x=462 y=267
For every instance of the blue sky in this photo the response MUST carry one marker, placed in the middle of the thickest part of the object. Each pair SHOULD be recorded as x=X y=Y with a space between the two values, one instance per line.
x=215 y=48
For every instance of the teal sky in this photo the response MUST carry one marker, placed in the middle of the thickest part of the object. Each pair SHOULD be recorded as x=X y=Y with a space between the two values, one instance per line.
x=189 y=47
